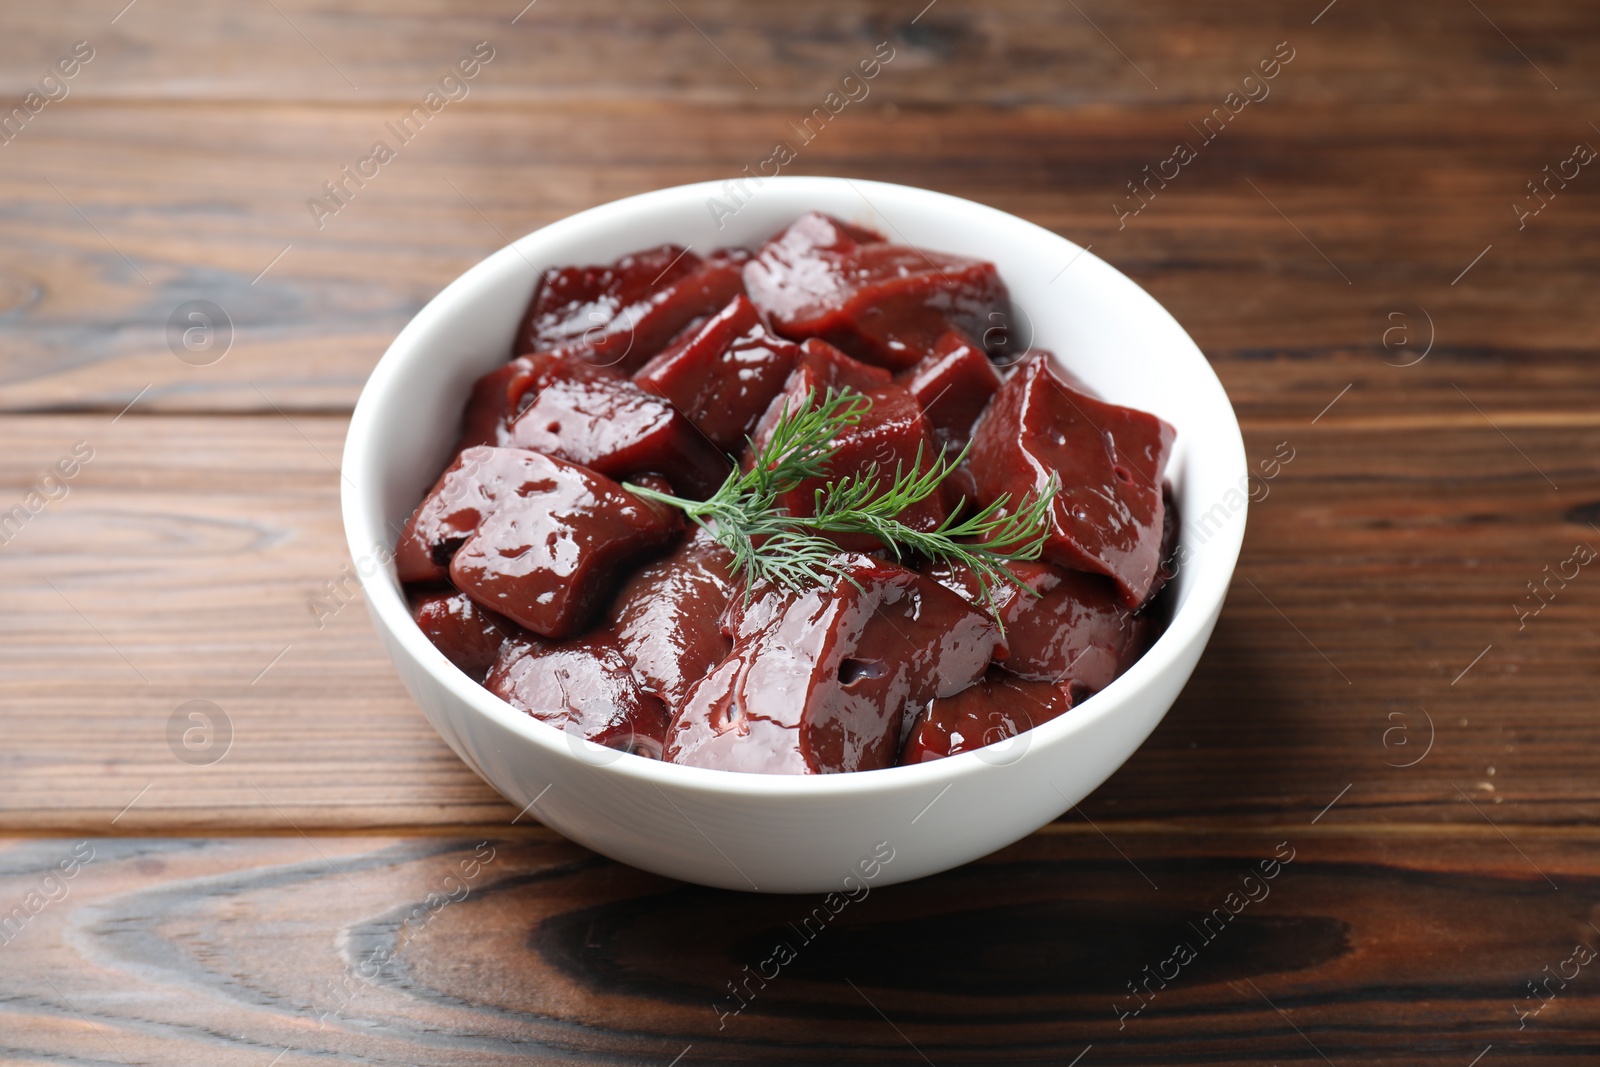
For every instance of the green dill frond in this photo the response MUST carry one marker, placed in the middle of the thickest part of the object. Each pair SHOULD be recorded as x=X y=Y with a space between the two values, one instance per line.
x=796 y=551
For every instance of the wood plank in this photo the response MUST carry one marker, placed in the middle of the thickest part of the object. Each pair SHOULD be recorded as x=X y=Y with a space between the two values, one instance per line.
x=199 y=559
x=1370 y=700
x=207 y=197
x=1358 y=950
x=195 y=549
x=1015 y=52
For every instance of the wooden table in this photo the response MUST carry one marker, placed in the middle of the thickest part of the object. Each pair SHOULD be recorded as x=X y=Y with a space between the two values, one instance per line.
x=1384 y=700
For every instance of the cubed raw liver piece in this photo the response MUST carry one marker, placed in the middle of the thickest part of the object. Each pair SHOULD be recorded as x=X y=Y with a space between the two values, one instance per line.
x=537 y=539
x=467 y=633
x=1075 y=629
x=586 y=415
x=1060 y=370
x=723 y=375
x=998 y=707
x=882 y=303
x=820 y=681
x=498 y=396
x=584 y=687
x=1108 y=515
x=622 y=314
x=821 y=367
x=462 y=497
x=890 y=435
x=667 y=620
x=489 y=405
x=1171 y=528
x=953 y=383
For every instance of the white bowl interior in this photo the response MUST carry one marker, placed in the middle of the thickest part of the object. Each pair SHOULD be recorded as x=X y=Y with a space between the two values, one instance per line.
x=1104 y=327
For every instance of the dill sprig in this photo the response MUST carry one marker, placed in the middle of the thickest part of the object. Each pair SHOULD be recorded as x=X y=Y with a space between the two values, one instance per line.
x=795 y=551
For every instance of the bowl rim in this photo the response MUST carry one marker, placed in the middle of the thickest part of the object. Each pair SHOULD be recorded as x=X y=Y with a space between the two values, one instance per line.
x=1188 y=624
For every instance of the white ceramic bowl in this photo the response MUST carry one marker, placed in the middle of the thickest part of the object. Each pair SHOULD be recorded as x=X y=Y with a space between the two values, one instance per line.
x=780 y=833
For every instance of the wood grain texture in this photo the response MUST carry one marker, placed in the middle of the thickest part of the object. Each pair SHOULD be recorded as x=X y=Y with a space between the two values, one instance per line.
x=1346 y=254
x=497 y=949
x=1006 y=54
x=191 y=559
x=208 y=197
